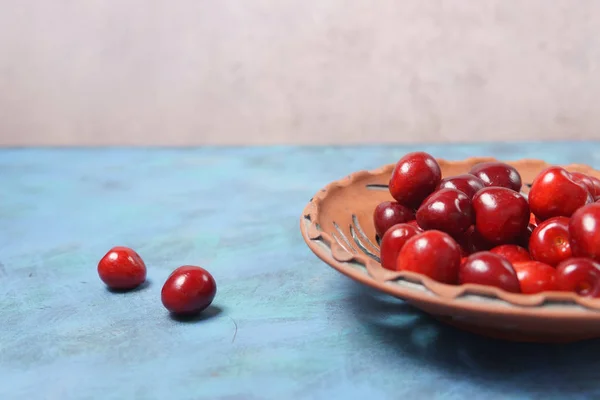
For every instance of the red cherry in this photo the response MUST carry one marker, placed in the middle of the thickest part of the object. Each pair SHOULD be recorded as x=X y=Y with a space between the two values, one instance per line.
x=512 y=253
x=472 y=242
x=122 y=269
x=431 y=253
x=535 y=277
x=466 y=183
x=486 y=268
x=390 y=213
x=188 y=290
x=416 y=225
x=495 y=173
x=393 y=241
x=584 y=232
x=579 y=275
x=554 y=193
x=415 y=177
x=596 y=182
x=549 y=242
x=584 y=180
x=447 y=210
x=501 y=214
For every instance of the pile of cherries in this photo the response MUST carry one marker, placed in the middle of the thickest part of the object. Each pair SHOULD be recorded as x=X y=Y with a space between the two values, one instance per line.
x=186 y=292
x=479 y=228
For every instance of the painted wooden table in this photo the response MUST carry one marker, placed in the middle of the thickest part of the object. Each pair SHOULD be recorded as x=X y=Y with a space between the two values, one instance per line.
x=283 y=325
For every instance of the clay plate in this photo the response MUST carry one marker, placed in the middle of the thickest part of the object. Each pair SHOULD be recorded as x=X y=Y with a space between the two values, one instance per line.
x=338 y=227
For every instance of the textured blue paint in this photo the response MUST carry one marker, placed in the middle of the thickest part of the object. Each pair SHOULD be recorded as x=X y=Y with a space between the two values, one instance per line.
x=303 y=330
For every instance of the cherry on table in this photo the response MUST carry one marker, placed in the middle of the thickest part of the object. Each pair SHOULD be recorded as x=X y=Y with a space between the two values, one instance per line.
x=446 y=210
x=495 y=173
x=535 y=277
x=584 y=232
x=549 y=241
x=390 y=213
x=188 y=290
x=554 y=193
x=431 y=253
x=393 y=241
x=486 y=268
x=501 y=214
x=579 y=275
x=415 y=176
x=122 y=268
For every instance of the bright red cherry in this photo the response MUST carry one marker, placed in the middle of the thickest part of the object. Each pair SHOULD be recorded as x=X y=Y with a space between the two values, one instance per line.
x=549 y=242
x=466 y=183
x=579 y=275
x=122 y=269
x=447 y=210
x=415 y=176
x=393 y=241
x=390 y=213
x=494 y=173
x=486 y=268
x=512 y=253
x=431 y=253
x=535 y=277
x=188 y=290
x=584 y=232
x=554 y=193
x=501 y=214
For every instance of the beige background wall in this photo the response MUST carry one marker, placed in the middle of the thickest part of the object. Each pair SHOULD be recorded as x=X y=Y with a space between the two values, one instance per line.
x=297 y=71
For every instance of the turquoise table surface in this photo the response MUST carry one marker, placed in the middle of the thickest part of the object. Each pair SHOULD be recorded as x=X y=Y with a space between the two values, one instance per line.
x=283 y=325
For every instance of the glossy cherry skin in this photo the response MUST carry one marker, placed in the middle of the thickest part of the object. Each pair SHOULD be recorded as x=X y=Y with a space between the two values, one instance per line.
x=122 y=269
x=512 y=253
x=596 y=183
x=447 y=210
x=579 y=275
x=554 y=193
x=466 y=183
x=535 y=277
x=584 y=232
x=415 y=176
x=495 y=173
x=501 y=214
x=486 y=268
x=584 y=180
x=390 y=213
x=188 y=290
x=416 y=225
x=393 y=241
x=431 y=253
x=549 y=242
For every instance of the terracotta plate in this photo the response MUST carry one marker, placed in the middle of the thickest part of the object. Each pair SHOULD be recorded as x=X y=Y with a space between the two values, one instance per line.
x=338 y=227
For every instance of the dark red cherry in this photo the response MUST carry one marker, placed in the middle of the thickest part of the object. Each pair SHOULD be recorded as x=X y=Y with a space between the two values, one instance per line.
x=466 y=183
x=447 y=210
x=390 y=213
x=579 y=275
x=393 y=241
x=415 y=176
x=188 y=290
x=486 y=268
x=494 y=173
x=501 y=214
